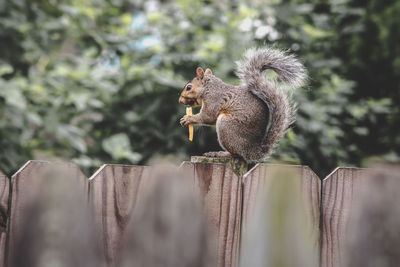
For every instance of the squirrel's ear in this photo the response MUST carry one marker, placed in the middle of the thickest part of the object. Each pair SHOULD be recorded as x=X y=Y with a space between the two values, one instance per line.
x=208 y=71
x=200 y=73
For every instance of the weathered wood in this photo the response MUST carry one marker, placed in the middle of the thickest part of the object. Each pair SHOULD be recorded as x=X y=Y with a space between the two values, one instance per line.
x=340 y=189
x=238 y=165
x=257 y=180
x=168 y=227
x=373 y=237
x=4 y=192
x=220 y=190
x=113 y=193
x=302 y=184
x=26 y=186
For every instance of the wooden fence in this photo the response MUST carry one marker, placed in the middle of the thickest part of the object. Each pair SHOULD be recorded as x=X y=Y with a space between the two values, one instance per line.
x=227 y=190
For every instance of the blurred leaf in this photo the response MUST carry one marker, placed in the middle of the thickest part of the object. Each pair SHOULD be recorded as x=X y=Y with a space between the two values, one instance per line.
x=119 y=147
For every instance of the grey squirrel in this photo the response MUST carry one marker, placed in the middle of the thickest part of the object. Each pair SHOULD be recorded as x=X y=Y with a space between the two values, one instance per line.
x=252 y=117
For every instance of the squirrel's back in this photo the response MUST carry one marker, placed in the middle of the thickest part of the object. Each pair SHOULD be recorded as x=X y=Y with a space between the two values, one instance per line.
x=291 y=73
x=265 y=111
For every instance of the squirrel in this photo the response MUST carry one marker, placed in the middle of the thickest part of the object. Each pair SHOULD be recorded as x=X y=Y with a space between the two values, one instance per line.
x=250 y=118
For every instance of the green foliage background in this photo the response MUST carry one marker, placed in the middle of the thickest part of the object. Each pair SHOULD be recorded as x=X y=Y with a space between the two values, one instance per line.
x=98 y=81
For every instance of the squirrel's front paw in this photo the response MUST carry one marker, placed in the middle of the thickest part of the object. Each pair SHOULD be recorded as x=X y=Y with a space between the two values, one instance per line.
x=185 y=120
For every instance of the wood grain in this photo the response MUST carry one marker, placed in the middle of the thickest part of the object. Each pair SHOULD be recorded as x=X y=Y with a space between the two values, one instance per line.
x=260 y=181
x=115 y=190
x=220 y=191
x=113 y=193
x=168 y=227
x=340 y=190
x=26 y=187
x=24 y=184
x=4 y=192
x=373 y=237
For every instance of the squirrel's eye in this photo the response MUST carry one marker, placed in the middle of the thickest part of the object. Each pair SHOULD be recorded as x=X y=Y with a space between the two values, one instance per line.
x=188 y=87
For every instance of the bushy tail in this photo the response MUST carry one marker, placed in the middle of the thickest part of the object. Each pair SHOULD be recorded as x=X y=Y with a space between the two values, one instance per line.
x=290 y=71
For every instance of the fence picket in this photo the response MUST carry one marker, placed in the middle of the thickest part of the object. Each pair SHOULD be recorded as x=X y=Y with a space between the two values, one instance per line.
x=26 y=188
x=373 y=237
x=220 y=190
x=339 y=190
x=23 y=184
x=260 y=180
x=4 y=192
x=113 y=191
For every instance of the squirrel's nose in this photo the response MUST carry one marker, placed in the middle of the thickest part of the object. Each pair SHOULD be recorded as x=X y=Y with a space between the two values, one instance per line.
x=181 y=100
